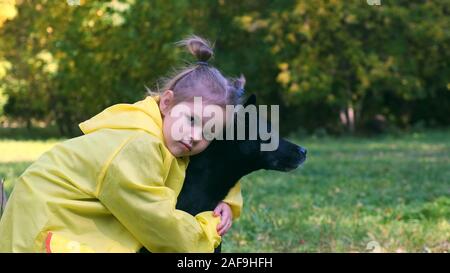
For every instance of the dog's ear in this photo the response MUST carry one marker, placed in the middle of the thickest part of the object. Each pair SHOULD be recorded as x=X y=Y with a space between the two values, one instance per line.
x=251 y=100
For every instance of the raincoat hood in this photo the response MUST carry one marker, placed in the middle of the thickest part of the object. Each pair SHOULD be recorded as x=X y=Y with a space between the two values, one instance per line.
x=144 y=115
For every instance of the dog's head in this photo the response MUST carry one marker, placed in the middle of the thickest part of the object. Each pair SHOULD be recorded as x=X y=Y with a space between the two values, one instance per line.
x=282 y=156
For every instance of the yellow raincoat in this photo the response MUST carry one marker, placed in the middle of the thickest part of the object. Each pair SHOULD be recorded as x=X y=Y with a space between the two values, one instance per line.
x=114 y=189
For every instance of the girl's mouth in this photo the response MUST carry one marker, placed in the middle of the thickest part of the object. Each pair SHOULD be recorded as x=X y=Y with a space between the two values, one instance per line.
x=187 y=146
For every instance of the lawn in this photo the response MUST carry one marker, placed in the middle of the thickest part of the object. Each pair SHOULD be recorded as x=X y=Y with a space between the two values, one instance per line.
x=388 y=193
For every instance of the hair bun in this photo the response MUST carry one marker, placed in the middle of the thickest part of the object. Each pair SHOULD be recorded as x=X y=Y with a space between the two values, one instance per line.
x=198 y=47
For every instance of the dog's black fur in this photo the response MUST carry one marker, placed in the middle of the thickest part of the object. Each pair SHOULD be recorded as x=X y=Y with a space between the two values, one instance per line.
x=211 y=174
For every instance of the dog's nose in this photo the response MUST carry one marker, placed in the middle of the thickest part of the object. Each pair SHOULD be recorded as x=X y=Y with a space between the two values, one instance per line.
x=302 y=150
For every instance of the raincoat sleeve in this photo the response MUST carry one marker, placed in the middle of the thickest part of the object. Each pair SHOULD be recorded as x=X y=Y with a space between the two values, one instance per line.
x=133 y=191
x=234 y=199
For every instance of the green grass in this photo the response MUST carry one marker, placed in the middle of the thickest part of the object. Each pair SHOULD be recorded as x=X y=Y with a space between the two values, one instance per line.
x=19 y=148
x=394 y=191
x=352 y=193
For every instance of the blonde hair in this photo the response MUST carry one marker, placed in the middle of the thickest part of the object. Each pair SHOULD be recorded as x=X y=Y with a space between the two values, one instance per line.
x=201 y=79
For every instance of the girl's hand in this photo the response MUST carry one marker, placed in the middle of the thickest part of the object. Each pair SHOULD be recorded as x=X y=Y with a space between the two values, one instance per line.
x=226 y=217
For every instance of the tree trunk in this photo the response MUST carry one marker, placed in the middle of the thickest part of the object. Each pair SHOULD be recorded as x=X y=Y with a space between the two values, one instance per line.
x=347 y=117
x=351 y=119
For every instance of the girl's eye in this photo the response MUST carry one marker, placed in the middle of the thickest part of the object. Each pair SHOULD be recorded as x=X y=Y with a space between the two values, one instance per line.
x=191 y=120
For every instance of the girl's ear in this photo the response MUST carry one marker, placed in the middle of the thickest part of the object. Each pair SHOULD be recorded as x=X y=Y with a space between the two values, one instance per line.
x=165 y=101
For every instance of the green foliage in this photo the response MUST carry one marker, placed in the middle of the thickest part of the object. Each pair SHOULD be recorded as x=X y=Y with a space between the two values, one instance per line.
x=376 y=59
x=7 y=10
x=315 y=58
x=70 y=62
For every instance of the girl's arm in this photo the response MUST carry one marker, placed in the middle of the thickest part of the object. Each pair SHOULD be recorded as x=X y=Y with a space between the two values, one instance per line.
x=234 y=199
x=133 y=189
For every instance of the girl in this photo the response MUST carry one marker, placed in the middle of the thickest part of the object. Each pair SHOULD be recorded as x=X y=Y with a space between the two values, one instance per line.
x=114 y=189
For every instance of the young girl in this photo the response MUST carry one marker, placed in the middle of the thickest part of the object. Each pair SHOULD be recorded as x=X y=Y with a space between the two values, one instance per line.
x=114 y=189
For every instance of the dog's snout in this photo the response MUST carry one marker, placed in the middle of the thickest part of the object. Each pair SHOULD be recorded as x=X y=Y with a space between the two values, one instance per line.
x=302 y=150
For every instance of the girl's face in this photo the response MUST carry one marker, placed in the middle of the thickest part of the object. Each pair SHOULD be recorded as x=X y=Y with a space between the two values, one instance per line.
x=189 y=141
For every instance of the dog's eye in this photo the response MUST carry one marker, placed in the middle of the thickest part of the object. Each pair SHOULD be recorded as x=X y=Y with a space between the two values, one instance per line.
x=212 y=132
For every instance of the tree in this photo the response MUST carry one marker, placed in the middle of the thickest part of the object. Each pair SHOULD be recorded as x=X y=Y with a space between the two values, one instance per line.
x=328 y=64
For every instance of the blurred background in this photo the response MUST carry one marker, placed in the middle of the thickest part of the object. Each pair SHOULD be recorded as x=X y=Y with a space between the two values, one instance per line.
x=364 y=85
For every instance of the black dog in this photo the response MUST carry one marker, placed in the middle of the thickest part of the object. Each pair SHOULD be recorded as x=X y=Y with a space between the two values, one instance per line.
x=211 y=174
